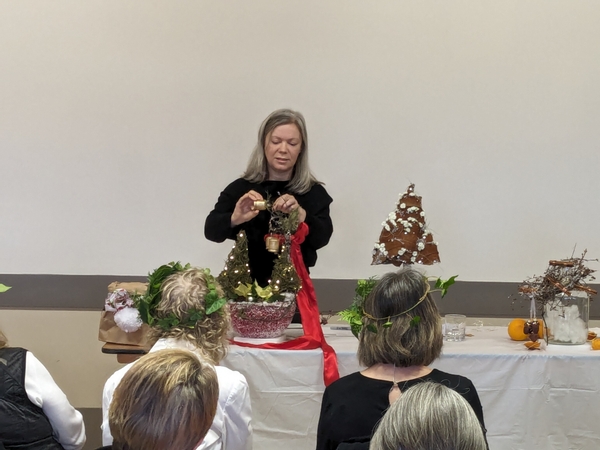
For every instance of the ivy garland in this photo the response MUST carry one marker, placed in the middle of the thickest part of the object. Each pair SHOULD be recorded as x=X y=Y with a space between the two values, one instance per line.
x=355 y=314
x=147 y=304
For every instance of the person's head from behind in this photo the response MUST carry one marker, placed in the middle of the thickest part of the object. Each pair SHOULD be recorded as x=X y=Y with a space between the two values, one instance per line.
x=429 y=416
x=182 y=299
x=414 y=337
x=282 y=151
x=167 y=400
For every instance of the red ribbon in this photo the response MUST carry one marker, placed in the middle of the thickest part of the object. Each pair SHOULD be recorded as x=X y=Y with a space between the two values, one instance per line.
x=309 y=311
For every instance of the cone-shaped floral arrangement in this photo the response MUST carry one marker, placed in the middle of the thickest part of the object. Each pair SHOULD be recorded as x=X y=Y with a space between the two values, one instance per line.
x=405 y=238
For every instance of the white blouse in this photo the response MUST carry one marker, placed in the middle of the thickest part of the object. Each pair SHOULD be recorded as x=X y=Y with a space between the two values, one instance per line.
x=231 y=428
x=66 y=421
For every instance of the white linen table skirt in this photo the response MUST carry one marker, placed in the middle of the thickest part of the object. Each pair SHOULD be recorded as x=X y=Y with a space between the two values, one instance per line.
x=531 y=399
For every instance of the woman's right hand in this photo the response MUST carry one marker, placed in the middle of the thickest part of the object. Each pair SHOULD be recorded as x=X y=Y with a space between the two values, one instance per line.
x=244 y=208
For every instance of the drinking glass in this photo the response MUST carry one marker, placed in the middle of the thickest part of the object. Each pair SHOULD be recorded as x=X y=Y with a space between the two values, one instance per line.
x=454 y=327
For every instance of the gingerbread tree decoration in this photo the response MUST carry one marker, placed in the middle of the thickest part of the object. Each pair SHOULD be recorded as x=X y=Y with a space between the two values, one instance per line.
x=405 y=238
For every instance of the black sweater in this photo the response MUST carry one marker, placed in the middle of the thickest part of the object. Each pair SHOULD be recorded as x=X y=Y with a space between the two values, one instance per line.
x=315 y=202
x=353 y=405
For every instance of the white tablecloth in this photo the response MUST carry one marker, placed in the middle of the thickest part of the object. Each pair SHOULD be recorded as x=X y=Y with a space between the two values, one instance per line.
x=531 y=399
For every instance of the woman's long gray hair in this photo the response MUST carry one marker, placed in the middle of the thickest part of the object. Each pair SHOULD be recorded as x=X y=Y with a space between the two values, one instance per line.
x=257 y=170
x=429 y=416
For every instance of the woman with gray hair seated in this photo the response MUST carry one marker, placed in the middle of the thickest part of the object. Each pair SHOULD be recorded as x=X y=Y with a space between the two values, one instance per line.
x=167 y=400
x=182 y=322
x=401 y=336
x=429 y=416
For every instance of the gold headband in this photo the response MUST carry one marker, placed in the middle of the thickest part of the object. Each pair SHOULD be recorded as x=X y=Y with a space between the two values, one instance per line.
x=423 y=297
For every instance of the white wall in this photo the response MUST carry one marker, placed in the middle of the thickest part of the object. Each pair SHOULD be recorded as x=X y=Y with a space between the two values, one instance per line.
x=121 y=121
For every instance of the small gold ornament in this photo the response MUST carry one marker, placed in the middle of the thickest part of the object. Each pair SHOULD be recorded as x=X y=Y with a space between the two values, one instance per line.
x=272 y=244
x=260 y=205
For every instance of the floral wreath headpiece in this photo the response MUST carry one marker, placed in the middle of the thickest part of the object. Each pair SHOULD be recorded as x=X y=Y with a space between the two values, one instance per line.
x=356 y=313
x=413 y=322
x=148 y=303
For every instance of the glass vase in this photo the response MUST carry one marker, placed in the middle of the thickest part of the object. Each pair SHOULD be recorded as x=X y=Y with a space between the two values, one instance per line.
x=566 y=318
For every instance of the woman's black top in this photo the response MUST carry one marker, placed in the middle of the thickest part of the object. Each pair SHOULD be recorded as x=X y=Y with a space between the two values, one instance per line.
x=315 y=202
x=353 y=405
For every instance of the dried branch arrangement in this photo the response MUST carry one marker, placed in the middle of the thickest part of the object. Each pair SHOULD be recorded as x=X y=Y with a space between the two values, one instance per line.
x=561 y=276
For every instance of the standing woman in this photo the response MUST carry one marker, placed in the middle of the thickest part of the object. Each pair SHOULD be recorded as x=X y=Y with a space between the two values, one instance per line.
x=278 y=171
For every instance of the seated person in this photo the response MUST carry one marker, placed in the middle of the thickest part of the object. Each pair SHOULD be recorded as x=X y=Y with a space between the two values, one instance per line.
x=182 y=295
x=34 y=412
x=167 y=400
x=396 y=357
x=429 y=416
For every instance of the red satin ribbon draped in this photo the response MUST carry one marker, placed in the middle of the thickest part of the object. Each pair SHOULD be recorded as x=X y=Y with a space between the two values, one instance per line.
x=309 y=311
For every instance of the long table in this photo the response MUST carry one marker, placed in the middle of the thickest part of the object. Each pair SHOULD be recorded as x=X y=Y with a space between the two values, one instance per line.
x=531 y=399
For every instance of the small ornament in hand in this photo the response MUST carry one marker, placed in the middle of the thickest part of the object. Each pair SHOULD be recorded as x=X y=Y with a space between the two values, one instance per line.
x=260 y=205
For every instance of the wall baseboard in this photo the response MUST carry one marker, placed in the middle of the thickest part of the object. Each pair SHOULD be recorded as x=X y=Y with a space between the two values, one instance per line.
x=87 y=293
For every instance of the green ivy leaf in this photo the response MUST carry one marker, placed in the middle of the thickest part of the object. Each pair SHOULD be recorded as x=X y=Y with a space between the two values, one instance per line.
x=4 y=288
x=387 y=324
x=144 y=310
x=168 y=322
x=372 y=328
x=445 y=284
x=195 y=316
x=415 y=321
x=215 y=305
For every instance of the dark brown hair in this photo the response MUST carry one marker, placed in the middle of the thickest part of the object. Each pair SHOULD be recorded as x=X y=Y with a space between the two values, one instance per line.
x=404 y=343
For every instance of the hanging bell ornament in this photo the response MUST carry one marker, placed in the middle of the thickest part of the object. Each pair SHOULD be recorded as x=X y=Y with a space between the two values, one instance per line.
x=260 y=205
x=272 y=244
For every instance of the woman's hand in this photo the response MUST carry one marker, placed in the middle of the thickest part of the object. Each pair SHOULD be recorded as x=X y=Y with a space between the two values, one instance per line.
x=244 y=208
x=288 y=203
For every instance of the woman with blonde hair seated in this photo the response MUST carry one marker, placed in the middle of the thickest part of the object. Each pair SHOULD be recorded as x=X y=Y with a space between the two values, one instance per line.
x=35 y=414
x=429 y=416
x=400 y=338
x=167 y=400
x=181 y=322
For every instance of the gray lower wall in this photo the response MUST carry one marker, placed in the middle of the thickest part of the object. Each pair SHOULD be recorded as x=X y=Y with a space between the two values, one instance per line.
x=92 y=417
x=87 y=293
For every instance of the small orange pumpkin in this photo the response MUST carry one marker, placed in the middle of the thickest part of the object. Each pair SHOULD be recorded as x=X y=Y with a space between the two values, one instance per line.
x=515 y=330
x=516 y=333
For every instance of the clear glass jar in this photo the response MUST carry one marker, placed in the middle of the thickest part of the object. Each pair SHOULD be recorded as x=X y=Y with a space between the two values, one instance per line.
x=566 y=318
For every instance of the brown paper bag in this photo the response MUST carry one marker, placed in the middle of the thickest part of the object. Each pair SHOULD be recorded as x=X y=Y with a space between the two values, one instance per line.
x=110 y=332
x=132 y=287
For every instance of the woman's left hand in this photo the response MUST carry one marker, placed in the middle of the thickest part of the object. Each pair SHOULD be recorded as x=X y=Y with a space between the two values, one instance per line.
x=288 y=203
